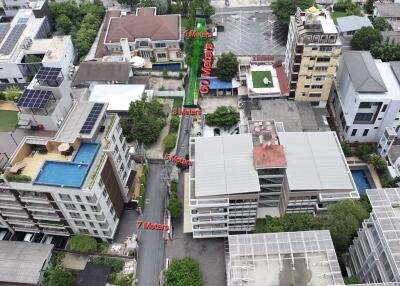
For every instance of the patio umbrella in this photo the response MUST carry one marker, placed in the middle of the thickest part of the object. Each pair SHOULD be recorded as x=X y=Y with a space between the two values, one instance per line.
x=17 y=167
x=63 y=147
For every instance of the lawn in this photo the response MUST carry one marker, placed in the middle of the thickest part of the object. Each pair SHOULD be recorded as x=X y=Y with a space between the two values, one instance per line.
x=338 y=14
x=8 y=120
x=258 y=77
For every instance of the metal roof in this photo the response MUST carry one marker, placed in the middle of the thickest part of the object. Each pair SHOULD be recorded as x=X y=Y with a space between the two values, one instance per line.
x=21 y=262
x=315 y=161
x=363 y=72
x=224 y=165
x=388 y=10
x=352 y=23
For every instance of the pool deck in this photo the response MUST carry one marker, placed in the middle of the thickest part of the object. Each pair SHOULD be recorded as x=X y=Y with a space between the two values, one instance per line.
x=35 y=162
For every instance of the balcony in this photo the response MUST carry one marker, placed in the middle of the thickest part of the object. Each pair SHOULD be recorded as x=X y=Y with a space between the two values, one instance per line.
x=212 y=220
x=210 y=227
x=205 y=203
x=51 y=225
x=46 y=216
x=35 y=198
x=26 y=228
x=200 y=234
x=203 y=213
x=20 y=221
x=10 y=205
x=7 y=196
x=39 y=207
x=14 y=213
x=55 y=231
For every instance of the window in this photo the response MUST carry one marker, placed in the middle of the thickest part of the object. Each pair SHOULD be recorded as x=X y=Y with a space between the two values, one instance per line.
x=365 y=104
x=112 y=211
x=78 y=198
x=314 y=94
x=160 y=45
x=70 y=207
x=365 y=133
x=92 y=199
x=321 y=68
x=310 y=68
x=363 y=117
x=312 y=58
x=83 y=230
x=103 y=225
x=397 y=128
x=319 y=77
x=162 y=55
x=323 y=60
x=87 y=216
x=115 y=217
x=306 y=86
x=113 y=138
x=95 y=231
x=108 y=202
x=94 y=208
x=143 y=44
x=101 y=184
x=91 y=224
x=83 y=208
x=118 y=127
x=124 y=176
x=104 y=193
x=65 y=197
x=325 y=49
x=116 y=149
x=354 y=132
x=384 y=108
x=314 y=48
x=75 y=215
x=317 y=86
x=79 y=223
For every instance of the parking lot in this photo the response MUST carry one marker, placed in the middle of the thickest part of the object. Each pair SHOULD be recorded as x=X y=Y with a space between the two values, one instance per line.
x=249 y=32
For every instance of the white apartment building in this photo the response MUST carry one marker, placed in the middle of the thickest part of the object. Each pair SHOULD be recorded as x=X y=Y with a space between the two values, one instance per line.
x=365 y=98
x=375 y=253
x=25 y=48
x=76 y=182
x=239 y=178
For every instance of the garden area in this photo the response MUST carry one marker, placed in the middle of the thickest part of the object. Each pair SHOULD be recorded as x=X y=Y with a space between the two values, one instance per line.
x=8 y=120
x=184 y=271
x=174 y=205
x=169 y=141
x=142 y=180
x=223 y=117
x=258 y=79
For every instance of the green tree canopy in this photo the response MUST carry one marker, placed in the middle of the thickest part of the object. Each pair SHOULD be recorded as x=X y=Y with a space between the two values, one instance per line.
x=364 y=38
x=82 y=243
x=369 y=6
x=63 y=24
x=378 y=162
x=161 y=5
x=283 y=9
x=200 y=8
x=145 y=122
x=227 y=66
x=289 y=222
x=223 y=116
x=386 y=51
x=58 y=276
x=379 y=23
x=183 y=272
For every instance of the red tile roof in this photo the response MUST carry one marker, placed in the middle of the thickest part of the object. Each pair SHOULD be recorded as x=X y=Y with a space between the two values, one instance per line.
x=282 y=79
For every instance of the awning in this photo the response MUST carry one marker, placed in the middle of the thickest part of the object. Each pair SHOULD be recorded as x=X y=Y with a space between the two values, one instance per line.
x=63 y=147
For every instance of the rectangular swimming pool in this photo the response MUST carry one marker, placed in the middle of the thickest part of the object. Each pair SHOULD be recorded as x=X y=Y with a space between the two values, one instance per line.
x=360 y=178
x=68 y=174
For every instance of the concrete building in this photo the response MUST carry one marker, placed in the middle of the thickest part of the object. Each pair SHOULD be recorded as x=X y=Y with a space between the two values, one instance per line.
x=148 y=35
x=312 y=54
x=25 y=48
x=76 y=182
x=365 y=97
x=286 y=258
x=21 y=263
x=239 y=178
x=375 y=253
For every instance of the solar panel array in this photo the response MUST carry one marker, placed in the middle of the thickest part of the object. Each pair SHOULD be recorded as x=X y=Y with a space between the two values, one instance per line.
x=92 y=118
x=32 y=98
x=12 y=39
x=3 y=30
x=48 y=73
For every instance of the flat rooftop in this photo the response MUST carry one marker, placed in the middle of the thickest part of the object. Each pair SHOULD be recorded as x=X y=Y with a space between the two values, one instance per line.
x=54 y=48
x=263 y=79
x=224 y=165
x=21 y=262
x=315 y=161
x=287 y=259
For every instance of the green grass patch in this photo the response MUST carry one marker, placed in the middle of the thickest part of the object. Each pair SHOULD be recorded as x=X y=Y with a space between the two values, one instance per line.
x=338 y=14
x=258 y=79
x=178 y=102
x=8 y=120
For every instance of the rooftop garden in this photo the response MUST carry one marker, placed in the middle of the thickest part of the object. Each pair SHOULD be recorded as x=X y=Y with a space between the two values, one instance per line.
x=262 y=79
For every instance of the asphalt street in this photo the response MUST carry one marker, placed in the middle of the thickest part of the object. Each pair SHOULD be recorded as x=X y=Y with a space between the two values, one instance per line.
x=151 y=254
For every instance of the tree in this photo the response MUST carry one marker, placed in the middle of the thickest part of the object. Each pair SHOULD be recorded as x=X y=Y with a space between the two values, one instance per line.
x=58 y=276
x=183 y=272
x=227 y=66
x=116 y=264
x=364 y=38
x=379 y=23
x=378 y=162
x=222 y=117
x=82 y=243
x=174 y=206
x=11 y=92
x=199 y=8
x=63 y=24
x=161 y=5
x=363 y=151
x=369 y=6
x=169 y=142
x=386 y=51
x=346 y=149
x=283 y=9
x=145 y=121
x=289 y=222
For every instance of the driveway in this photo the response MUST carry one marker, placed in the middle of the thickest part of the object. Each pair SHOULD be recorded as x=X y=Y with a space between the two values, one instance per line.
x=126 y=226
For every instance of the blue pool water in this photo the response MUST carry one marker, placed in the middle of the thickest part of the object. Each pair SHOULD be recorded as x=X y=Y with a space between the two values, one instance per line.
x=170 y=67
x=68 y=174
x=361 y=181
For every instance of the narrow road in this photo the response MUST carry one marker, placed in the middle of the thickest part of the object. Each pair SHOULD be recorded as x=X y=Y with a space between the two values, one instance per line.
x=151 y=252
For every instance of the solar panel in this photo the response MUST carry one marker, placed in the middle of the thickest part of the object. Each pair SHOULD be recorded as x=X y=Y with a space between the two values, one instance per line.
x=92 y=118
x=32 y=98
x=3 y=30
x=12 y=39
x=48 y=73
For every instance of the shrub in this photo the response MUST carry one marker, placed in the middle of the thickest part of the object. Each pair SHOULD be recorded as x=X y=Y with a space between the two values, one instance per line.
x=169 y=142
x=363 y=151
x=174 y=205
x=103 y=247
x=346 y=149
x=116 y=264
x=11 y=92
x=18 y=178
x=58 y=276
x=379 y=163
x=184 y=271
x=82 y=243
x=174 y=124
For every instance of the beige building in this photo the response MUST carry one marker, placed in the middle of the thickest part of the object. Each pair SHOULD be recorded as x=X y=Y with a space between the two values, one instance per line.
x=312 y=53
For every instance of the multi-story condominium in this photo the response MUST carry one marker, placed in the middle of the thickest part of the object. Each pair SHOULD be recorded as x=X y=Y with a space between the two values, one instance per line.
x=154 y=37
x=25 y=48
x=375 y=252
x=76 y=182
x=365 y=97
x=312 y=54
x=285 y=258
x=239 y=178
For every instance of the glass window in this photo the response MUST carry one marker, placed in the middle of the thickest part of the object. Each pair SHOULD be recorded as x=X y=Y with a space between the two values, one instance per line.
x=83 y=208
x=87 y=216
x=162 y=55
x=65 y=197
x=70 y=207
x=112 y=210
x=91 y=199
x=108 y=202
x=75 y=215
x=94 y=208
x=160 y=45
x=78 y=198
x=91 y=224
x=354 y=132
x=365 y=104
x=364 y=117
x=104 y=193
x=384 y=108
x=323 y=59
x=365 y=133
x=101 y=184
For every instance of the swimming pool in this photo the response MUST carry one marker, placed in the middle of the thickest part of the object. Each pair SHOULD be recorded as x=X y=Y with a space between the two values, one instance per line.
x=68 y=174
x=360 y=178
x=170 y=67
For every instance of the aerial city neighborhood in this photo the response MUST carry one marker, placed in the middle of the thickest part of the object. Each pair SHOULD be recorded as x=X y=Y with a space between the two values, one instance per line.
x=199 y=142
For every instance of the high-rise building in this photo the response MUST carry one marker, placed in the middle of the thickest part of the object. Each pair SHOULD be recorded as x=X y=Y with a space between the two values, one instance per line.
x=312 y=53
